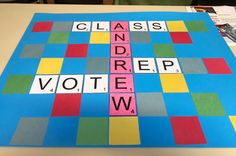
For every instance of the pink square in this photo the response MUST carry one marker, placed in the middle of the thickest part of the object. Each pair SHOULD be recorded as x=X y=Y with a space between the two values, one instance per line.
x=119 y=26
x=187 y=130
x=121 y=65
x=121 y=83
x=66 y=105
x=120 y=50
x=76 y=50
x=122 y=104
x=42 y=26
x=180 y=37
x=217 y=66
x=120 y=37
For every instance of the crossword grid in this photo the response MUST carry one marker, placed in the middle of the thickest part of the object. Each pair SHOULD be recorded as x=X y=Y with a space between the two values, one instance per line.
x=112 y=80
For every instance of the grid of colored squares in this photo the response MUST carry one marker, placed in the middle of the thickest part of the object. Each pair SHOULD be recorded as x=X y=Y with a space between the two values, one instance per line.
x=117 y=26
x=84 y=50
x=129 y=73
x=102 y=131
x=148 y=104
x=104 y=32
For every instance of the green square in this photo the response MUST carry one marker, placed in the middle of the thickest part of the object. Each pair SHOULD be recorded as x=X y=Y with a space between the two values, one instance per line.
x=93 y=131
x=17 y=84
x=196 y=26
x=58 y=37
x=164 y=50
x=208 y=104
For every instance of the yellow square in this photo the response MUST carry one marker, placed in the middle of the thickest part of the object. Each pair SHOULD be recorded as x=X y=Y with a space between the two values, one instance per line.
x=100 y=38
x=176 y=26
x=124 y=131
x=50 y=66
x=233 y=121
x=172 y=83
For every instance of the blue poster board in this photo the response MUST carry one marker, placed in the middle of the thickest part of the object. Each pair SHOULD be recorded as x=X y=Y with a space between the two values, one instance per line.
x=154 y=79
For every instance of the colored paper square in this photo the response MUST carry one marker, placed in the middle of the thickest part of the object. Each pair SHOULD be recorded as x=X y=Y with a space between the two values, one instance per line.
x=73 y=66
x=121 y=65
x=79 y=37
x=208 y=104
x=164 y=50
x=140 y=37
x=217 y=66
x=97 y=65
x=142 y=50
x=151 y=104
x=58 y=37
x=122 y=83
x=62 y=26
x=119 y=26
x=147 y=83
x=156 y=131
x=218 y=131
x=92 y=131
x=66 y=105
x=184 y=106
x=61 y=132
x=196 y=26
x=173 y=83
x=233 y=121
x=17 y=84
x=99 y=50
x=124 y=131
x=30 y=131
x=120 y=50
x=77 y=50
x=42 y=26
x=100 y=38
x=94 y=105
x=54 y=50
x=122 y=105
x=160 y=37
x=176 y=26
x=187 y=130
x=180 y=38
x=50 y=66
x=120 y=37
x=192 y=66
x=32 y=51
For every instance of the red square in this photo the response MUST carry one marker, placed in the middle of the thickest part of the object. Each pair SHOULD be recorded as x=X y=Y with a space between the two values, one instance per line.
x=66 y=105
x=217 y=66
x=77 y=50
x=187 y=130
x=42 y=27
x=180 y=37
